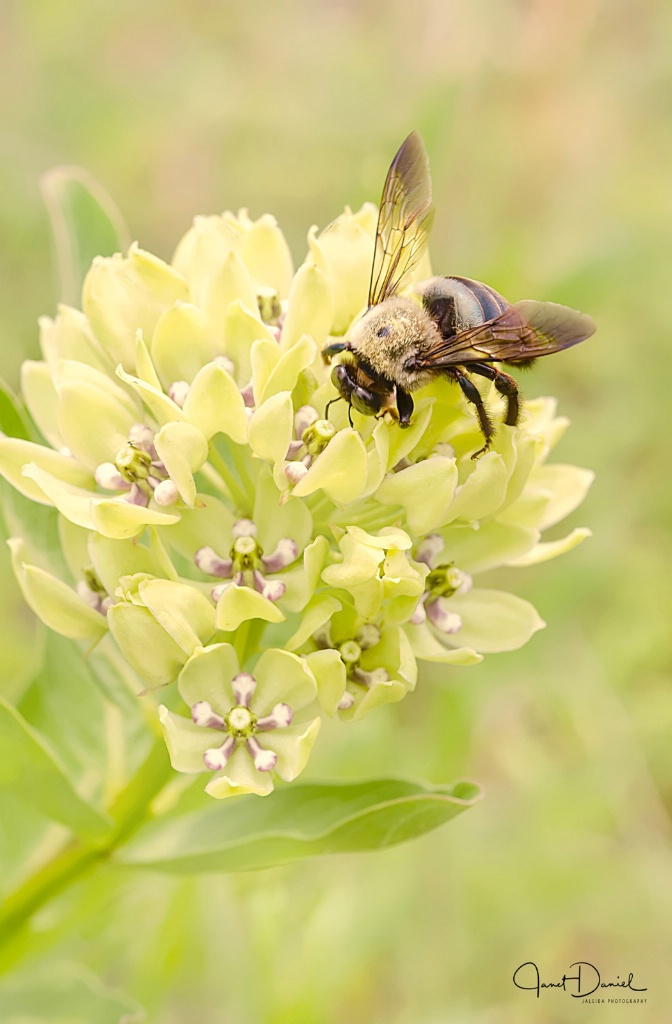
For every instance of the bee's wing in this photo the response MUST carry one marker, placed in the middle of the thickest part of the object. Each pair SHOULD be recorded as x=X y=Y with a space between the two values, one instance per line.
x=404 y=220
x=525 y=330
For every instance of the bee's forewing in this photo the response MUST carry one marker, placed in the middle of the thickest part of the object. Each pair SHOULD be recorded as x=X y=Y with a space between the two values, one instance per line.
x=526 y=330
x=404 y=220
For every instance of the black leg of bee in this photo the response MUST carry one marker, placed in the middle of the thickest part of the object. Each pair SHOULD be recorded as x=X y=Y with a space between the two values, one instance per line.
x=329 y=351
x=404 y=407
x=472 y=394
x=329 y=404
x=350 y=416
x=506 y=385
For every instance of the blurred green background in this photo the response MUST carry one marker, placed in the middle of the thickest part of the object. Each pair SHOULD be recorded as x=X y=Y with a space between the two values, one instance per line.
x=548 y=128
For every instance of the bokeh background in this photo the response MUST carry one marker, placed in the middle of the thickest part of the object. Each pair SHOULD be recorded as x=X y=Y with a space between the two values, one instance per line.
x=548 y=127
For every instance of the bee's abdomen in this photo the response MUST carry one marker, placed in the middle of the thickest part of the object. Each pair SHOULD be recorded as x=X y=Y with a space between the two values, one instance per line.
x=457 y=303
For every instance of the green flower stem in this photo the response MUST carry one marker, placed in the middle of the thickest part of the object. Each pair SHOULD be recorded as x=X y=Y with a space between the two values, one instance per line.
x=238 y=495
x=129 y=810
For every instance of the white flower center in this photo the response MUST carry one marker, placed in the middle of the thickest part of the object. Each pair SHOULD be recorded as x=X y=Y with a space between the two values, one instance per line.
x=240 y=719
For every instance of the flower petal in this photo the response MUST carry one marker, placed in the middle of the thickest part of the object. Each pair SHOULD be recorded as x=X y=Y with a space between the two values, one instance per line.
x=427 y=647
x=186 y=741
x=493 y=620
x=316 y=613
x=229 y=283
x=113 y=559
x=271 y=431
x=483 y=492
x=120 y=519
x=551 y=549
x=282 y=678
x=16 y=453
x=145 y=644
x=292 y=746
x=239 y=777
x=340 y=471
x=162 y=408
x=292 y=362
x=182 y=343
x=568 y=486
x=183 y=450
x=238 y=604
x=69 y=336
x=241 y=330
x=493 y=544
x=94 y=414
x=183 y=611
x=309 y=308
x=266 y=255
x=215 y=405
x=207 y=676
x=122 y=294
x=329 y=671
x=55 y=603
x=41 y=398
x=425 y=492
x=344 y=252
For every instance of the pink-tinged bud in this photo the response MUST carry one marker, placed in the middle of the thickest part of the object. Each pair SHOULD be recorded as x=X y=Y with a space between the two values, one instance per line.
x=210 y=562
x=304 y=418
x=141 y=435
x=203 y=714
x=108 y=476
x=346 y=701
x=178 y=391
x=429 y=548
x=216 y=757
x=244 y=528
x=264 y=760
x=284 y=554
x=280 y=717
x=166 y=493
x=243 y=686
x=295 y=471
x=446 y=621
x=419 y=615
x=248 y=396
x=225 y=363
x=272 y=590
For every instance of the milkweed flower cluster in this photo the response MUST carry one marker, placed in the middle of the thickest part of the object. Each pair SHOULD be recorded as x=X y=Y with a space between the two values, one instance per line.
x=276 y=564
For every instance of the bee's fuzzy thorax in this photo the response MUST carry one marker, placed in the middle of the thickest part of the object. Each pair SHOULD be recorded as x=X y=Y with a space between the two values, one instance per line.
x=389 y=334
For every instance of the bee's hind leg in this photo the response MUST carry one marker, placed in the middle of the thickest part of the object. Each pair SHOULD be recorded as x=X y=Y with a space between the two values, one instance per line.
x=473 y=395
x=404 y=406
x=506 y=385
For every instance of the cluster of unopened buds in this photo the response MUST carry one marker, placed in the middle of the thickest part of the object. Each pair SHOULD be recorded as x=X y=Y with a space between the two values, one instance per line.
x=264 y=562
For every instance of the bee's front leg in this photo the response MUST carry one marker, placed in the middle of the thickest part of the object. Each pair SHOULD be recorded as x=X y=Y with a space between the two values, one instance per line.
x=404 y=406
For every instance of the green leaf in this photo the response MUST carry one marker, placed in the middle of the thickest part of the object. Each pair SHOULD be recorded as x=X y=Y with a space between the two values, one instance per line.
x=85 y=222
x=13 y=419
x=295 y=823
x=30 y=767
x=65 y=993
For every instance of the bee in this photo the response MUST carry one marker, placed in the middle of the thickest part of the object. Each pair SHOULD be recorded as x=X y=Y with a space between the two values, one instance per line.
x=460 y=327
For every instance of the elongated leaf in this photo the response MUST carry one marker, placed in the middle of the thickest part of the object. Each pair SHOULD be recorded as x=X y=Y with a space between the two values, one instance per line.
x=85 y=223
x=29 y=767
x=65 y=993
x=298 y=822
x=14 y=420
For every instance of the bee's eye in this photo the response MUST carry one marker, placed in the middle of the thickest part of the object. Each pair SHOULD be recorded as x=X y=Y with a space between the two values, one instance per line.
x=383 y=332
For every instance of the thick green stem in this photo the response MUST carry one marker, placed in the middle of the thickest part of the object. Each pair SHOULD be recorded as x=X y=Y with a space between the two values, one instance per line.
x=129 y=810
